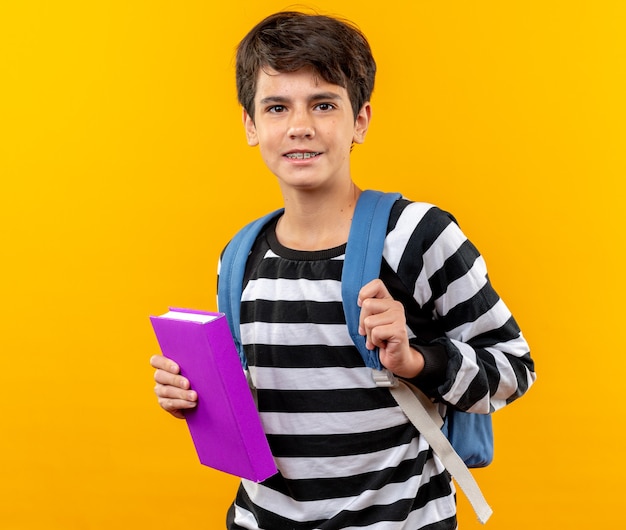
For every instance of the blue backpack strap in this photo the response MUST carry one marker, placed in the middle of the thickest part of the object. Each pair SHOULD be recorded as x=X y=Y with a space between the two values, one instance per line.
x=364 y=253
x=232 y=269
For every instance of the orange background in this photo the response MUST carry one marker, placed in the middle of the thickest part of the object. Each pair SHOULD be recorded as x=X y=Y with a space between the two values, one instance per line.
x=124 y=171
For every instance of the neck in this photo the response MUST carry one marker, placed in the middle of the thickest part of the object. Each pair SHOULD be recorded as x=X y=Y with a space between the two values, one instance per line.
x=317 y=220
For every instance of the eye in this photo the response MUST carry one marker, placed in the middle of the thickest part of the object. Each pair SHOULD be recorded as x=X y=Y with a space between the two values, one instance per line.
x=325 y=107
x=276 y=109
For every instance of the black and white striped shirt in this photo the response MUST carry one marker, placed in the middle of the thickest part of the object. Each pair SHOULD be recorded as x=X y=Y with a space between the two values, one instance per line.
x=347 y=455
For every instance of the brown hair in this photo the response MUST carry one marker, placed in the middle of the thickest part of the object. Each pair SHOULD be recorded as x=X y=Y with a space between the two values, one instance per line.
x=288 y=41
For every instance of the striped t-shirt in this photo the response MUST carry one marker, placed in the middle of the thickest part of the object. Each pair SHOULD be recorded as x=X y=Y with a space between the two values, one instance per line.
x=347 y=455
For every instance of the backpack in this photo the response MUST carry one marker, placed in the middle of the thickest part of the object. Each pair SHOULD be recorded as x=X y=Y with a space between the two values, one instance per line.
x=461 y=439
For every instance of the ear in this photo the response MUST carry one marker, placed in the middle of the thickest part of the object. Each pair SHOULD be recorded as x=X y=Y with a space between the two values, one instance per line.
x=251 y=134
x=362 y=122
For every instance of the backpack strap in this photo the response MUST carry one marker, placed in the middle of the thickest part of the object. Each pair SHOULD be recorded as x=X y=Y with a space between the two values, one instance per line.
x=232 y=269
x=364 y=253
x=424 y=415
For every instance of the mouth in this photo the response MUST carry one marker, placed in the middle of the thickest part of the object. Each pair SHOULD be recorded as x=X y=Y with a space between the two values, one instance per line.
x=302 y=155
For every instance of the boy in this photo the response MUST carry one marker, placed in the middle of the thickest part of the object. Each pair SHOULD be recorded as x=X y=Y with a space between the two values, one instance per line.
x=347 y=455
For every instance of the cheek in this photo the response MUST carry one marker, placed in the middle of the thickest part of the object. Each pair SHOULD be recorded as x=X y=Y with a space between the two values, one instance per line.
x=268 y=155
x=268 y=142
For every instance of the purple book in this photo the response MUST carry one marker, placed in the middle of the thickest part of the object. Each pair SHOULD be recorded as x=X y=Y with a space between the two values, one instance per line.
x=225 y=425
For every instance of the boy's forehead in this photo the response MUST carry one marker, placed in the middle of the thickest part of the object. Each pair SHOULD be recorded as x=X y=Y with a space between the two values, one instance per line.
x=270 y=80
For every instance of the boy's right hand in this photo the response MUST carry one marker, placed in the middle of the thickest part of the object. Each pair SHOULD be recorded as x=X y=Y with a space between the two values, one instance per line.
x=172 y=389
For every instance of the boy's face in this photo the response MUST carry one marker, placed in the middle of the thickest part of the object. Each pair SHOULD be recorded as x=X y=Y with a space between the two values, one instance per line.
x=304 y=127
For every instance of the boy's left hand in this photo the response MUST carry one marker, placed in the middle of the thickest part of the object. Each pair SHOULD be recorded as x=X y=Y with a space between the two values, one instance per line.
x=383 y=323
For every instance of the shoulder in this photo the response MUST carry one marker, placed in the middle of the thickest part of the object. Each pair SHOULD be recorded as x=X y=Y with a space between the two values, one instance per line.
x=420 y=223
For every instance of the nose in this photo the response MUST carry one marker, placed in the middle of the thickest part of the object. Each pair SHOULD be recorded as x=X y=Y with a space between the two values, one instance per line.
x=301 y=125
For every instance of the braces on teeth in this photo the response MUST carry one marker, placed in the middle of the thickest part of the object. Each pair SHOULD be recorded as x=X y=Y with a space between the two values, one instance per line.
x=301 y=155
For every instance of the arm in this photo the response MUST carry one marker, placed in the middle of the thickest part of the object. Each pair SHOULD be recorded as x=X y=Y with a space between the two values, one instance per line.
x=481 y=358
x=172 y=390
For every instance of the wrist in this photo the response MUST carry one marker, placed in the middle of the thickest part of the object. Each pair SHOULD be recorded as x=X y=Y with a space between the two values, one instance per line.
x=414 y=365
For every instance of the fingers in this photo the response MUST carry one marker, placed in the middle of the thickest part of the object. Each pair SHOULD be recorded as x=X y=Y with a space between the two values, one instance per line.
x=163 y=363
x=172 y=389
x=369 y=295
x=383 y=322
x=378 y=310
x=175 y=400
x=374 y=289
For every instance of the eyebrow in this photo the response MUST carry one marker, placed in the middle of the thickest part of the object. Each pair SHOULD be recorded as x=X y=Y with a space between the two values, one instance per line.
x=332 y=96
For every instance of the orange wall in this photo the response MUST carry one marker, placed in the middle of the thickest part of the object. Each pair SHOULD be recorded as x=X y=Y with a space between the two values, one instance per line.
x=124 y=171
